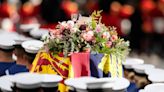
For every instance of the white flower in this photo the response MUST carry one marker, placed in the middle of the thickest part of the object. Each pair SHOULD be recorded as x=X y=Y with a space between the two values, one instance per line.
x=106 y=35
x=84 y=20
x=63 y=24
x=73 y=30
x=70 y=23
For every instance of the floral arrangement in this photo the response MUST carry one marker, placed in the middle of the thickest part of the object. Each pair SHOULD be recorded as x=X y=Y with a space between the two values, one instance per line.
x=85 y=34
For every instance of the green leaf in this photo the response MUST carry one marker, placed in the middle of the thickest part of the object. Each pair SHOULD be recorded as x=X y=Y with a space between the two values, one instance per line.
x=93 y=24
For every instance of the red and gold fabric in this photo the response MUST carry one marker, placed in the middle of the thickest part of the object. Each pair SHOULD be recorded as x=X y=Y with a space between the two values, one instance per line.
x=47 y=63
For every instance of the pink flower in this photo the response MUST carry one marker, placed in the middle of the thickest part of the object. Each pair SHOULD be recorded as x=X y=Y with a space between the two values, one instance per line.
x=88 y=36
x=114 y=37
x=98 y=28
x=55 y=32
x=106 y=35
x=90 y=33
x=109 y=44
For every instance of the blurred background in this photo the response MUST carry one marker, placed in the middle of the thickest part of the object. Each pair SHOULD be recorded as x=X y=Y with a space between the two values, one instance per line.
x=139 y=21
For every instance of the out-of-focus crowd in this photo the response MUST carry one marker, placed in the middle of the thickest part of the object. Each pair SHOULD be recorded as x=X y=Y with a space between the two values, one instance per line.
x=140 y=21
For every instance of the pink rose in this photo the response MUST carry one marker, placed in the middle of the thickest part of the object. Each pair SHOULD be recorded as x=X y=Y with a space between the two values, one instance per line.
x=88 y=36
x=114 y=37
x=109 y=44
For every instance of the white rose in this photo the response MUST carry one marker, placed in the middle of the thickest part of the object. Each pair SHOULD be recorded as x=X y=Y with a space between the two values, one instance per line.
x=70 y=23
x=64 y=24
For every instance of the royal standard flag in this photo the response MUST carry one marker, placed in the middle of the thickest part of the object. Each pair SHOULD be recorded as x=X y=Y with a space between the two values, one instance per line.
x=47 y=63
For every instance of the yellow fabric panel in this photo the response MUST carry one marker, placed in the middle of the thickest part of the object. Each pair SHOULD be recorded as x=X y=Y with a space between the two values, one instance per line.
x=102 y=63
x=120 y=68
x=113 y=66
x=34 y=64
x=107 y=65
x=71 y=73
x=111 y=63
x=116 y=69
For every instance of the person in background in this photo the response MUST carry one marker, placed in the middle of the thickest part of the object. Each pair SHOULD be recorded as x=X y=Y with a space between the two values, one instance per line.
x=158 y=22
x=6 y=51
x=70 y=7
x=29 y=57
x=111 y=15
x=8 y=14
x=29 y=12
x=136 y=35
x=86 y=7
x=52 y=12
x=21 y=63
x=146 y=8
x=31 y=48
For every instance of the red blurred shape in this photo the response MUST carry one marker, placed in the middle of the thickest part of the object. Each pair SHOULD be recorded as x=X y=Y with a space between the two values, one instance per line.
x=49 y=26
x=69 y=7
x=147 y=5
